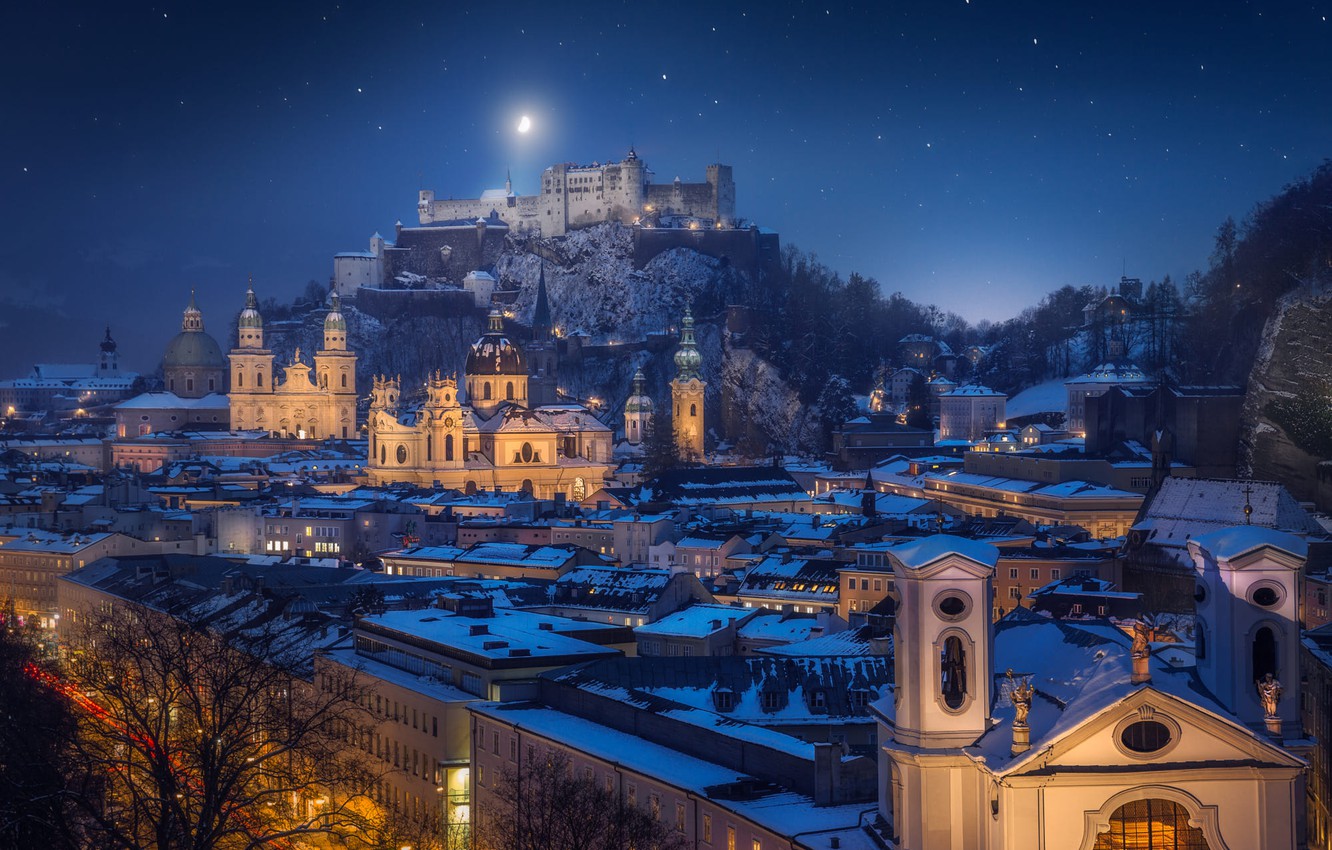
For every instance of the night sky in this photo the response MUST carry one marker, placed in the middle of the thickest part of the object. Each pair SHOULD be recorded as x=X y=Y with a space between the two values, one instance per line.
x=971 y=154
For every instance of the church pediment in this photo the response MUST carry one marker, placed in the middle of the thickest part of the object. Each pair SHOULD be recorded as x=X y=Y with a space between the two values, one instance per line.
x=1148 y=729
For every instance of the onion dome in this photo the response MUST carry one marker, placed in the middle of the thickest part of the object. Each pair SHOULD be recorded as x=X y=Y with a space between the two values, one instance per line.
x=249 y=317
x=193 y=347
x=334 y=321
x=108 y=344
x=494 y=353
x=639 y=401
x=688 y=362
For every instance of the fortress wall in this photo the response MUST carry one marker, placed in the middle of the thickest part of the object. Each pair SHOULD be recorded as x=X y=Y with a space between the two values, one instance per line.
x=418 y=250
x=749 y=250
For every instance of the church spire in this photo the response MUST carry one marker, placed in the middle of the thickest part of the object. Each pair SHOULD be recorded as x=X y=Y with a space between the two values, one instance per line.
x=541 y=324
x=688 y=362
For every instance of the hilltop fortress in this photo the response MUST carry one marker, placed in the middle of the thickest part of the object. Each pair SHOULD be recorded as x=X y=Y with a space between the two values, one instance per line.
x=457 y=243
x=574 y=196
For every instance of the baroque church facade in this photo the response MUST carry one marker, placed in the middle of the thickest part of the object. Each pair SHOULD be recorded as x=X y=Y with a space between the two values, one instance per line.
x=1037 y=733
x=490 y=435
x=319 y=406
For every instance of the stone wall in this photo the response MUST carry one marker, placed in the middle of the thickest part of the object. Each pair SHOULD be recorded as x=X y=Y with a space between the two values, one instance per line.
x=750 y=250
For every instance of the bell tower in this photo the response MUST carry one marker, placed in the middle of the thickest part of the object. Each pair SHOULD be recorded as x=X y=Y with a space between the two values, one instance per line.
x=251 y=370
x=335 y=371
x=943 y=683
x=1247 y=582
x=687 y=395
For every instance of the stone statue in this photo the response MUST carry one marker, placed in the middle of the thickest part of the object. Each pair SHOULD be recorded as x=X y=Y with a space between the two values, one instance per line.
x=1020 y=693
x=296 y=358
x=1269 y=692
x=1142 y=637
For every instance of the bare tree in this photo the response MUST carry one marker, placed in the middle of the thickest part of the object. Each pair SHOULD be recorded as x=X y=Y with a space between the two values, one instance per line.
x=209 y=741
x=545 y=806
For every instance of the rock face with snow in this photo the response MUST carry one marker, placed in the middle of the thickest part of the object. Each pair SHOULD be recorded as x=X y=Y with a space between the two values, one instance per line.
x=1286 y=427
x=613 y=318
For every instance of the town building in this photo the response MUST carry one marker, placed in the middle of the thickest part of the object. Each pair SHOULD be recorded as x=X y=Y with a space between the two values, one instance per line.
x=970 y=412
x=69 y=386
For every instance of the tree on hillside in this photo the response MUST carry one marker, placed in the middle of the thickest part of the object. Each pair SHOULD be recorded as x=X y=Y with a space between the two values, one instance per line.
x=548 y=805
x=208 y=741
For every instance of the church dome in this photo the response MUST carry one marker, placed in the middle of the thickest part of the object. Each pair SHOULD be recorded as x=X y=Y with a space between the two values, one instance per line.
x=192 y=347
x=640 y=401
x=494 y=353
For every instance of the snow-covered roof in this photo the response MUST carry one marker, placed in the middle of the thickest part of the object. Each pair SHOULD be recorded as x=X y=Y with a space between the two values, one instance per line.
x=1231 y=543
x=921 y=553
x=695 y=621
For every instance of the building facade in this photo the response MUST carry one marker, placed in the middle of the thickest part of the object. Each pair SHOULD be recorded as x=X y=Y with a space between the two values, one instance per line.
x=318 y=407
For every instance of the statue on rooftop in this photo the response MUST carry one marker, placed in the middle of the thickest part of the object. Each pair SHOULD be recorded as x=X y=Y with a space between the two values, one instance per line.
x=1269 y=693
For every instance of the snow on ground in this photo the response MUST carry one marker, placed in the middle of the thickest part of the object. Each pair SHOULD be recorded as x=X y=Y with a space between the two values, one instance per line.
x=1042 y=398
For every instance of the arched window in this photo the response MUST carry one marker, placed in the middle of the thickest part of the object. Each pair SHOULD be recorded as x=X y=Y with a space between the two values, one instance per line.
x=485 y=390
x=240 y=379
x=383 y=454
x=953 y=672
x=212 y=385
x=189 y=385
x=508 y=391
x=1264 y=653
x=344 y=380
x=1151 y=825
x=430 y=446
x=259 y=378
x=693 y=410
x=448 y=447
x=470 y=489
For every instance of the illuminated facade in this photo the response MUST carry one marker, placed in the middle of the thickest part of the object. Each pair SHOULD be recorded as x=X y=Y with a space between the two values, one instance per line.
x=687 y=395
x=1041 y=734
x=492 y=439
x=318 y=407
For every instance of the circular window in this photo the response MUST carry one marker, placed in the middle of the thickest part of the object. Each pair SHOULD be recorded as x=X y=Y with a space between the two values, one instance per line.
x=952 y=605
x=1145 y=736
x=1266 y=596
x=402 y=453
x=1199 y=593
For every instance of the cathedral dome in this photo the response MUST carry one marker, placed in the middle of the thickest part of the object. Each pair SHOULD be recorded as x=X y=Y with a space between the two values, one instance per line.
x=192 y=347
x=494 y=353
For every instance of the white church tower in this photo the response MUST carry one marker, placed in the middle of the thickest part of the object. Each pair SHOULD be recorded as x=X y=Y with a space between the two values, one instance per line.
x=1247 y=594
x=943 y=670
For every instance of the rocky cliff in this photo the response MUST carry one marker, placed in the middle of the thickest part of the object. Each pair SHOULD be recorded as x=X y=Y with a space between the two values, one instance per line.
x=1286 y=425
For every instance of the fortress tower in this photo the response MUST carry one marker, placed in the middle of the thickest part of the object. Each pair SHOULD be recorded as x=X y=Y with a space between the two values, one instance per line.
x=687 y=395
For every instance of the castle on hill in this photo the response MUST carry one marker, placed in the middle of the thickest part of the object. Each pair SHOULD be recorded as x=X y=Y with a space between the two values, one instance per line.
x=574 y=196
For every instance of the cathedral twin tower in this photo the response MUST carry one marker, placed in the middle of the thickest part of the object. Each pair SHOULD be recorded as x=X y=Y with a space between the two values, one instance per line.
x=317 y=408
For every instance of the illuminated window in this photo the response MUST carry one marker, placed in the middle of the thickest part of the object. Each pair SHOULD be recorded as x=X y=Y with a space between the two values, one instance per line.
x=1151 y=825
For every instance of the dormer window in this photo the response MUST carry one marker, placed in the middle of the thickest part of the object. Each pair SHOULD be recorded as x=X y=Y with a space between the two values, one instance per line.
x=770 y=700
x=860 y=698
x=818 y=700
